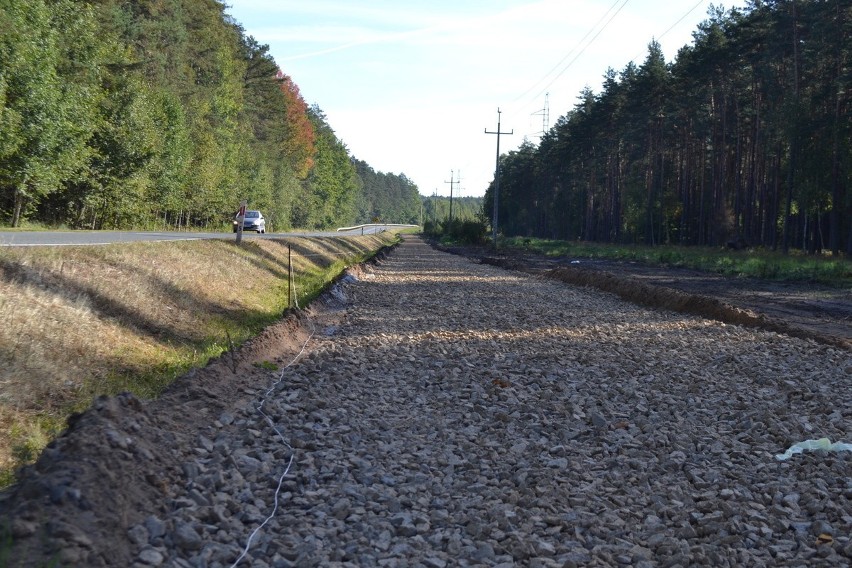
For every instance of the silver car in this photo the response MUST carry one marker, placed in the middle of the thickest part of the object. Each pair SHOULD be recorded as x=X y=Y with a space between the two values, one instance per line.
x=253 y=221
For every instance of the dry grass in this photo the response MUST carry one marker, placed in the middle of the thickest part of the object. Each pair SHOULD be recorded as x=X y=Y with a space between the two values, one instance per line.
x=83 y=321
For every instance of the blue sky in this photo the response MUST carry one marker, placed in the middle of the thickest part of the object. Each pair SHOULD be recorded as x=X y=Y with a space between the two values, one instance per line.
x=411 y=86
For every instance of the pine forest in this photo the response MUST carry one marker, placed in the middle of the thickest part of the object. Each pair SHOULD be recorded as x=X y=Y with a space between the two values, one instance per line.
x=744 y=140
x=164 y=114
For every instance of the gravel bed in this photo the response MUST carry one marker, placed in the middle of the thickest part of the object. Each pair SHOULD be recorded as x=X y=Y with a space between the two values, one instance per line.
x=464 y=415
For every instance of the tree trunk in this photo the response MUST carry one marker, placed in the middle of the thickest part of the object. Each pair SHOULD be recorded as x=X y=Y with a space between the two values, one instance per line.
x=791 y=175
x=18 y=206
x=837 y=188
x=649 y=189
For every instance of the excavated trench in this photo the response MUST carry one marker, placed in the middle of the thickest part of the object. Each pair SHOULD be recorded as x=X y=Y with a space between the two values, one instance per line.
x=634 y=290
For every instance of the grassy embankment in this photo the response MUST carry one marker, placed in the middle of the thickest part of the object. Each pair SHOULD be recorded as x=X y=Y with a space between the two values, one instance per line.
x=85 y=321
x=769 y=265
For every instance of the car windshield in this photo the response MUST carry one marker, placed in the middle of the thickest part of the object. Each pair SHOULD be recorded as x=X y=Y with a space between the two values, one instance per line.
x=252 y=214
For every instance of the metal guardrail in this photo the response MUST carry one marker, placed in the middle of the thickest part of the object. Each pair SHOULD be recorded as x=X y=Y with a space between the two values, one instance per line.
x=401 y=225
x=376 y=226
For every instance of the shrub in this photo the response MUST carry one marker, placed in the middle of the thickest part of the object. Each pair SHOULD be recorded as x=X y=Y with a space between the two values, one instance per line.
x=467 y=231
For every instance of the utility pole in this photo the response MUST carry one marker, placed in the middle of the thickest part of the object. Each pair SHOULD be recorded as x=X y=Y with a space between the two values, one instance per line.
x=435 y=206
x=451 y=182
x=497 y=177
x=458 y=188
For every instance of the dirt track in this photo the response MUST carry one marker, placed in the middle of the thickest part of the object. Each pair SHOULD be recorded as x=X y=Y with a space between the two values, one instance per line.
x=801 y=309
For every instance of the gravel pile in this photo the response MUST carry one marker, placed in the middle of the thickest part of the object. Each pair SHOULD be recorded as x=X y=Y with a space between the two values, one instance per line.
x=463 y=415
x=469 y=416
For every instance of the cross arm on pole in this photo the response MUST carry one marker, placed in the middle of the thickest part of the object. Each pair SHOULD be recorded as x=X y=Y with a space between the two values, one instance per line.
x=497 y=177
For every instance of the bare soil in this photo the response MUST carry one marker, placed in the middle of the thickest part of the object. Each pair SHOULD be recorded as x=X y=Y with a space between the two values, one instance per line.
x=802 y=309
x=122 y=460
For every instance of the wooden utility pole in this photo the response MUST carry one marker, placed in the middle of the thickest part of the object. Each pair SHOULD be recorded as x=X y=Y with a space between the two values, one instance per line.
x=451 y=182
x=497 y=177
x=435 y=206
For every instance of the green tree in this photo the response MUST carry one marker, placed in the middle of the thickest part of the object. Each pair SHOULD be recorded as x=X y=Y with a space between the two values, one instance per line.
x=520 y=211
x=331 y=188
x=49 y=59
x=745 y=137
x=161 y=113
x=390 y=198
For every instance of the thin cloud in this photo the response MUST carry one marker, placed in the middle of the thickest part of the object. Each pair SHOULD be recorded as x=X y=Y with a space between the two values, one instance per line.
x=367 y=27
x=424 y=78
x=358 y=37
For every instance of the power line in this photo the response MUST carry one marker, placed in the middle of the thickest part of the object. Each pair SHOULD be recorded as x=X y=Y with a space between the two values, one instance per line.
x=582 y=51
x=671 y=27
x=589 y=43
x=573 y=49
x=609 y=16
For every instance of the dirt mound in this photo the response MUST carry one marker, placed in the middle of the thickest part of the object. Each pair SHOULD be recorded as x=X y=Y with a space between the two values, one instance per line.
x=804 y=311
x=676 y=300
x=122 y=459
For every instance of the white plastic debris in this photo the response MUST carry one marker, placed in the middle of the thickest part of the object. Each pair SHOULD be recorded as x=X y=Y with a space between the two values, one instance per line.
x=821 y=444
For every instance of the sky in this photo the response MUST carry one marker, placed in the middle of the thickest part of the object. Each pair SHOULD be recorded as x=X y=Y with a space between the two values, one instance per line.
x=411 y=86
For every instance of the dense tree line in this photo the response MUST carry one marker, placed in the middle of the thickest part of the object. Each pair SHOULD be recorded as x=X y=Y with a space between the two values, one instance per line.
x=437 y=208
x=157 y=113
x=459 y=219
x=386 y=197
x=745 y=138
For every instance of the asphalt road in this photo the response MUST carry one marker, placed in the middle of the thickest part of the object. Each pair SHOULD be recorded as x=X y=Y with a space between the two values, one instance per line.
x=85 y=238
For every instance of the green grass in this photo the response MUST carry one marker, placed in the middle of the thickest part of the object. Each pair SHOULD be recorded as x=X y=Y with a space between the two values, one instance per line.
x=756 y=263
x=89 y=321
x=6 y=541
x=310 y=283
x=410 y=231
x=33 y=226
